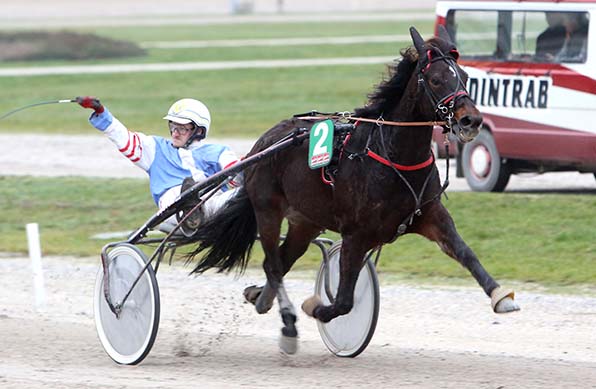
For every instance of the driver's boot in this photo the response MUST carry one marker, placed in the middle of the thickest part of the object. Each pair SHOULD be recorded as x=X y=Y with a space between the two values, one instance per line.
x=193 y=220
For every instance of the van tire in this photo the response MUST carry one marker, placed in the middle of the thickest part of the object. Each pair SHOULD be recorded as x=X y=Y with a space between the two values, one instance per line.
x=483 y=167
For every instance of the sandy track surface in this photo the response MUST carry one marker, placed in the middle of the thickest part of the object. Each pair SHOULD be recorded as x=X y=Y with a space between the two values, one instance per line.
x=427 y=337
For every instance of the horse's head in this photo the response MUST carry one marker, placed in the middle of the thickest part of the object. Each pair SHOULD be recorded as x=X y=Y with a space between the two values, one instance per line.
x=444 y=84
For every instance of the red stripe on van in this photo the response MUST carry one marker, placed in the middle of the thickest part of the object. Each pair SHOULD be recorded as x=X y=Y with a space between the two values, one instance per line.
x=561 y=75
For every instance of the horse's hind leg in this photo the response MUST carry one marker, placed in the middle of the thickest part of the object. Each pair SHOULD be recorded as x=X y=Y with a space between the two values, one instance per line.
x=269 y=231
x=437 y=225
x=269 y=228
x=294 y=246
x=288 y=342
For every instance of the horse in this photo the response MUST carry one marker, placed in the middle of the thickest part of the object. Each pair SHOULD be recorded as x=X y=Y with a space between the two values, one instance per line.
x=386 y=185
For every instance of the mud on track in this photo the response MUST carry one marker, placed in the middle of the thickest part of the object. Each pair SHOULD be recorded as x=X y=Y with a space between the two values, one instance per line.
x=427 y=337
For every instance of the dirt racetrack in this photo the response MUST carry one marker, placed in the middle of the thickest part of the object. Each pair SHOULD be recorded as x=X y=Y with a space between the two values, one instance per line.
x=427 y=337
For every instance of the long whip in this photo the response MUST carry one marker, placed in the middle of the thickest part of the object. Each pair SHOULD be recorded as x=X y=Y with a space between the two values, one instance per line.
x=35 y=105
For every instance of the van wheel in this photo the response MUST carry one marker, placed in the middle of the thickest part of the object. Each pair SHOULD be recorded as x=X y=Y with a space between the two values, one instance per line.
x=483 y=167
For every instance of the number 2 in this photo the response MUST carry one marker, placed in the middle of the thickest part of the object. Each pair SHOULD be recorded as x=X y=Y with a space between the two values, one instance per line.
x=319 y=148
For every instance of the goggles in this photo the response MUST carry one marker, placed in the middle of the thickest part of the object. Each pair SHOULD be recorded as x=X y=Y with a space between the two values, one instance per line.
x=182 y=129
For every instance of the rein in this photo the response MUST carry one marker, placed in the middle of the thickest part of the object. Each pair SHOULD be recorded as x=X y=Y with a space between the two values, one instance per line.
x=378 y=122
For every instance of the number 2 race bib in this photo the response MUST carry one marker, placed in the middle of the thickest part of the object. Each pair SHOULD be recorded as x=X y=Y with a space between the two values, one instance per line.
x=320 y=144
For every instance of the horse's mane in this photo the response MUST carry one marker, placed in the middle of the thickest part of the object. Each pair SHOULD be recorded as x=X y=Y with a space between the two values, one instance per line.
x=389 y=92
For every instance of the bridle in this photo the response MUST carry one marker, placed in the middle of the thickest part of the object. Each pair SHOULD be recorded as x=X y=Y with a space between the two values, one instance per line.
x=444 y=109
x=444 y=106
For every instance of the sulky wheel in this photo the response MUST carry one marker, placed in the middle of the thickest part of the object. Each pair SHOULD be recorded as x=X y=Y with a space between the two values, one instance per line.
x=348 y=335
x=128 y=338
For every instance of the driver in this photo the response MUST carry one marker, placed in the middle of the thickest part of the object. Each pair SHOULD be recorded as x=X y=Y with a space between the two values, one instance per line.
x=173 y=164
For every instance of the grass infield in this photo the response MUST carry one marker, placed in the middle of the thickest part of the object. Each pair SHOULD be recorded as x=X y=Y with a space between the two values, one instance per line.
x=548 y=239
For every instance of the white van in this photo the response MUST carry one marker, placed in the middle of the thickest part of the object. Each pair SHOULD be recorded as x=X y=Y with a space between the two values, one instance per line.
x=532 y=73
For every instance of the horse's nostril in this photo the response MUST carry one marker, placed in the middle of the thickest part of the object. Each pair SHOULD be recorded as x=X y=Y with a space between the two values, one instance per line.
x=465 y=121
x=470 y=121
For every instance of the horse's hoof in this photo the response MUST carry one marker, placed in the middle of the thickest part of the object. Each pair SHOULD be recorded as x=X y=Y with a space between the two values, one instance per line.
x=251 y=293
x=502 y=300
x=264 y=301
x=288 y=344
x=263 y=306
x=309 y=305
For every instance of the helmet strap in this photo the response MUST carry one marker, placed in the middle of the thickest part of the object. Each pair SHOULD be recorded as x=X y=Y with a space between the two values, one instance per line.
x=197 y=134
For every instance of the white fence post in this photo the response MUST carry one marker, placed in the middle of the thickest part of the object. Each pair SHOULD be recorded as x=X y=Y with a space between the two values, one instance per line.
x=35 y=255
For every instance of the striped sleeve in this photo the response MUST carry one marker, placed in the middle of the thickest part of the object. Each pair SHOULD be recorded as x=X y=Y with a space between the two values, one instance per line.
x=137 y=147
x=227 y=159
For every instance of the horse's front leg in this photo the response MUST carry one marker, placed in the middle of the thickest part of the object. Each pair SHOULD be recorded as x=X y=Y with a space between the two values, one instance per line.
x=350 y=263
x=437 y=225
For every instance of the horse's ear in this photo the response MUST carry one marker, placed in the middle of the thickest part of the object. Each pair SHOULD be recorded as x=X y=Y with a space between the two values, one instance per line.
x=444 y=35
x=418 y=41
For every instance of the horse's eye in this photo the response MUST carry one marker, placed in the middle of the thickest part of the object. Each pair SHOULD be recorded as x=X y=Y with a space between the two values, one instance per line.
x=436 y=81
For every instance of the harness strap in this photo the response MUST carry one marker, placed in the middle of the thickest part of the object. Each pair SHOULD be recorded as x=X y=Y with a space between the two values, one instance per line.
x=454 y=96
x=376 y=121
x=384 y=161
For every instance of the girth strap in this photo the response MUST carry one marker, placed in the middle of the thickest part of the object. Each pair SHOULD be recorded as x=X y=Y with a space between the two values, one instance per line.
x=384 y=161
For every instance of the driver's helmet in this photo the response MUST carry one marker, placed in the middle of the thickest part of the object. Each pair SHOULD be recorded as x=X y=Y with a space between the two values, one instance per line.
x=186 y=111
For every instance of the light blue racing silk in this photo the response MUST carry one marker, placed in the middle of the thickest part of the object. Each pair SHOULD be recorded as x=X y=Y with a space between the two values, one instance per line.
x=167 y=169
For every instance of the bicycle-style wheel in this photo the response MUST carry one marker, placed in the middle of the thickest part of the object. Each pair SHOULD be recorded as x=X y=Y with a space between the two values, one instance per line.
x=128 y=338
x=348 y=335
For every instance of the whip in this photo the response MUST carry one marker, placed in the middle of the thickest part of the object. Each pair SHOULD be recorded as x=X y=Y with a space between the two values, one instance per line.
x=37 y=104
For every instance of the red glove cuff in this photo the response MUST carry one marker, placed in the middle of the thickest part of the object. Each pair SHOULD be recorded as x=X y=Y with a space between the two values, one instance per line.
x=90 y=102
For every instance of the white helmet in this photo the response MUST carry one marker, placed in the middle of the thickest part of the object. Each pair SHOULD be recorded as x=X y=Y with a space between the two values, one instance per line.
x=185 y=111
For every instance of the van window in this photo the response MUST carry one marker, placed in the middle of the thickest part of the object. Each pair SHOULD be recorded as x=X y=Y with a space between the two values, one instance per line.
x=526 y=36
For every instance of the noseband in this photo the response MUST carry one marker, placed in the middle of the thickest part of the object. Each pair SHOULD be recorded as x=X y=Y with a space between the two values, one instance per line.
x=443 y=106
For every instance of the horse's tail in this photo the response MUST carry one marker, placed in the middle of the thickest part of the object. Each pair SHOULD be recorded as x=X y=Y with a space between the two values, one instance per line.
x=228 y=236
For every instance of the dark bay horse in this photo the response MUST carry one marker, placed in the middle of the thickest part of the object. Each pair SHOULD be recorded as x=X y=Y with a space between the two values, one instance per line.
x=386 y=185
